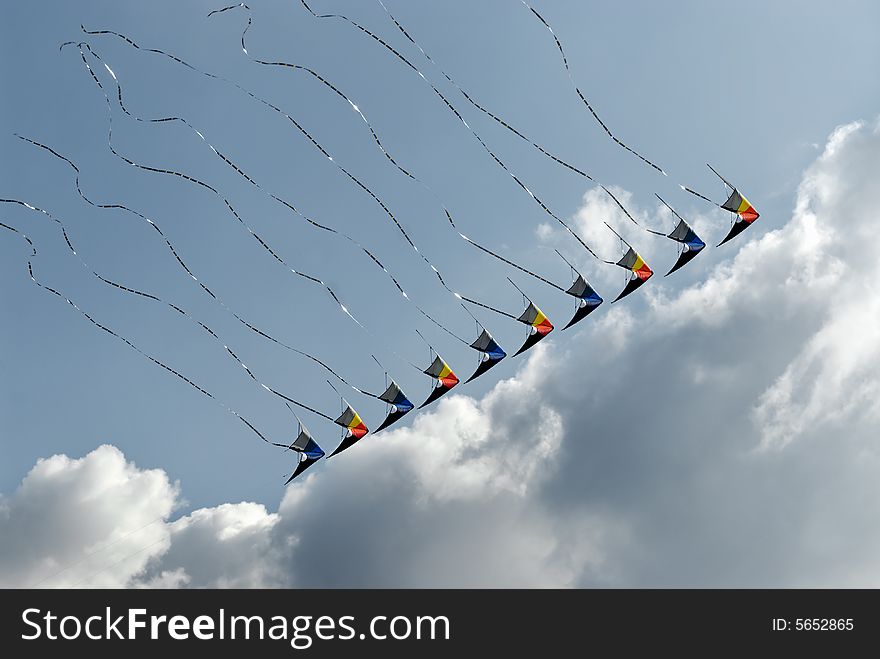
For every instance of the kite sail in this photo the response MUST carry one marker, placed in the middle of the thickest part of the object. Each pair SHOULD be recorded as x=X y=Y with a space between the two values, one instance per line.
x=492 y=354
x=736 y=203
x=635 y=264
x=690 y=242
x=587 y=297
x=308 y=449
x=445 y=379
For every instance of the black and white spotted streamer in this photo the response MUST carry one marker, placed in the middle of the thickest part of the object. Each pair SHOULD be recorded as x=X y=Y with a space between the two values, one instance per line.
x=461 y=118
x=250 y=179
x=177 y=308
x=130 y=344
x=584 y=98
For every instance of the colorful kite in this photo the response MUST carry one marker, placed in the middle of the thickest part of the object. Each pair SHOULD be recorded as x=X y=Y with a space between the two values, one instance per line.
x=308 y=449
x=635 y=264
x=736 y=203
x=445 y=378
x=398 y=405
x=492 y=354
x=588 y=299
x=690 y=242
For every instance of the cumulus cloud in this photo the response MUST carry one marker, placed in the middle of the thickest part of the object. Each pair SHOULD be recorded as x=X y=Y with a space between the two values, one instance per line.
x=724 y=434
x=93 y=521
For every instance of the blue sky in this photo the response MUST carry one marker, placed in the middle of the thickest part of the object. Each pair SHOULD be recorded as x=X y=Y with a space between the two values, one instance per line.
x=755 y=91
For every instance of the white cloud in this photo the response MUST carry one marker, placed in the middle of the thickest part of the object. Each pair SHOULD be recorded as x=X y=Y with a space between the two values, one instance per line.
x=624 y=453
x=93 y=522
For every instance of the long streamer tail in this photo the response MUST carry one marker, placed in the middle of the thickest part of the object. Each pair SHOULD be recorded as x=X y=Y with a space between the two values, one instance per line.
x=183 y=264
x=583 y=98
x=461 y=118
x=130 y=344
x=174 y=307
x=253 y=181
x=201 y=184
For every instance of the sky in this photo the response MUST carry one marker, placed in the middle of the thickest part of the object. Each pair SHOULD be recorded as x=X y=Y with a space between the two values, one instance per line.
x=715 y=429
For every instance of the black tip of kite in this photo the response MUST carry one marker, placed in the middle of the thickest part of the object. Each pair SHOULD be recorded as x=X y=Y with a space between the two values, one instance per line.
x=436 y=393
x=631 y=286
x=530 y=341
x=580 y=314
x=346 y=443
x=391 y=419
x=735 y=230
x=482 y=368
x=683 y=259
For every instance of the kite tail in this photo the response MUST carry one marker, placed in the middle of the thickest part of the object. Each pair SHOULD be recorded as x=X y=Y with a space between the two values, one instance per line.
x=375 y=137
x=317 y=76
x=489 y=307
x=470 y=99
x=146 y=219
x=584 y=98
x=256 y=184
x=701 y=196
x=182 y=264
x=458 y=115
x=199 y=183
x=726 y=182
x=176 y=307
x=130 y=344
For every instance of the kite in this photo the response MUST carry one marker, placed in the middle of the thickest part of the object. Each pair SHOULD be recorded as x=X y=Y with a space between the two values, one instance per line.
x=492 y=354
x=397 y=403
x=690 y=242
x=588 y=299
x=445 y=379
x=635 y=264
x=736 y=203
x=307 y=447
x=353 y=427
